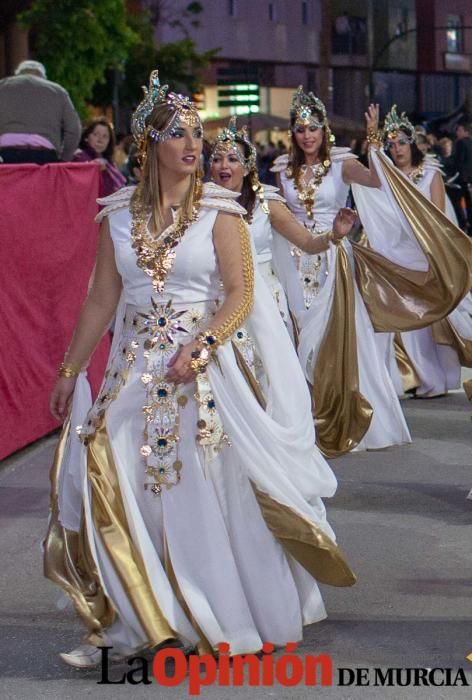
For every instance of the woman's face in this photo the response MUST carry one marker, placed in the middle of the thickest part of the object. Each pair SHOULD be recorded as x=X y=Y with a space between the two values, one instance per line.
x=180 y=154
x=400 y=149
x=309 y=138
x=99 y=138
x=227 y=169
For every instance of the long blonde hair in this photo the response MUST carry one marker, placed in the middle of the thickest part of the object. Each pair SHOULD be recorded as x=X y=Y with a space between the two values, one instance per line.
x=148 y=192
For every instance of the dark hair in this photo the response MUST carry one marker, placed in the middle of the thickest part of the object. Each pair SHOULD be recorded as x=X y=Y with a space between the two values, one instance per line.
x=417 y=157
x=465 y=124
x=133 y=159
x=297 y=156
x=108 y=152
x=247 y=198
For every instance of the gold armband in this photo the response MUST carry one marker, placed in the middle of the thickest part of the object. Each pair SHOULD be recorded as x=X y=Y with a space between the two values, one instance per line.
x=374 y=138
x=67 y=370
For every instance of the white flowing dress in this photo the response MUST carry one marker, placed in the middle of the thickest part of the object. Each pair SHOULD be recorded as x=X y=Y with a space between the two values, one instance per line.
x=437 y=366
x=388 y=426
x=237 y=583
x=275 y=262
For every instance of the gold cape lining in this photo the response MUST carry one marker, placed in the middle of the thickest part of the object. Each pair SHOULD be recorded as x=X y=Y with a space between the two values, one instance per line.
x=444 y=333
x=68 y=561
x=110 y=522
x=305 y=541
x=410 y=379
x=399 y=299
x=342 y=413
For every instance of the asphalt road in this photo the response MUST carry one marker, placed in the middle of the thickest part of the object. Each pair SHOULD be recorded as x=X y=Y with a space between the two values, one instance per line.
x=401 y=516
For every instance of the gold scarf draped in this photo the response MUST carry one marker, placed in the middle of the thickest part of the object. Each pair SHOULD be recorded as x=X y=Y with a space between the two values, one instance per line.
x=444 y=333
x=410 y=379
x=399 y=299
x=342 y=413
x=68 y=561
x=305 y=541
x=111 y=525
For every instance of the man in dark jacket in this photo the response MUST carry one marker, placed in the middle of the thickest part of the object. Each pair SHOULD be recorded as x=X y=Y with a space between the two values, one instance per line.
x=38 y=122
x=462 y=157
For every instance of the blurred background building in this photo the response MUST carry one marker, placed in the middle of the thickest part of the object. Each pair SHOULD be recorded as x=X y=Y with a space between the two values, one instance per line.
x=416 y=53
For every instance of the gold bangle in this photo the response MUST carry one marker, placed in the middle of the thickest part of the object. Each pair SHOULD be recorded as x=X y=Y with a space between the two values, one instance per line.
x=67 y=370
x=374 y=138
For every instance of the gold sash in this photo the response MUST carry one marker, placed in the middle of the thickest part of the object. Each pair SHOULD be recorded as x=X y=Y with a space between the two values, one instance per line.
x=399 y=299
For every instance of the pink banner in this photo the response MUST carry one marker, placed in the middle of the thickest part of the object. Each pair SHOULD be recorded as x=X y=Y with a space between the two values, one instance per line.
x=47 y=251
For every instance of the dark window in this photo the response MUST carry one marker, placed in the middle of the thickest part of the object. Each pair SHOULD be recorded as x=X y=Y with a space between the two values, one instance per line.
x=232 y=8
x=304 y=12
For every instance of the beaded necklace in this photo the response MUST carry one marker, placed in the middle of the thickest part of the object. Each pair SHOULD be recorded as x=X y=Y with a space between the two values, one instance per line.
x=155 y=256
x=306 y=192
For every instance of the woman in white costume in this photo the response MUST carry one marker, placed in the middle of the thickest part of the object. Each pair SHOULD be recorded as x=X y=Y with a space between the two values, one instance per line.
x=429 y=359
x=355 y=401
x=177 y=473
x=272 y=225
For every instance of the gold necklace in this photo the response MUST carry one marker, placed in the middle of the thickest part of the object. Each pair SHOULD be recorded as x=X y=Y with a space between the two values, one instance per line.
x=416 y=175
x=306 y=193
x=155 y=256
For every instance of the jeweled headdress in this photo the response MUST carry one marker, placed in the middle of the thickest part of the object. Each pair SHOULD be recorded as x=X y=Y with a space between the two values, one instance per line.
x=227 y=142
x=184 y=112
x=394 y=123
x=305 y=109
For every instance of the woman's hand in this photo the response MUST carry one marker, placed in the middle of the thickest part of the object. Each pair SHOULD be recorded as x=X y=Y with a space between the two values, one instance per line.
x=372 y=117
x=102 y=163
x=178 y=368
x=61 y=397
x=343 y=223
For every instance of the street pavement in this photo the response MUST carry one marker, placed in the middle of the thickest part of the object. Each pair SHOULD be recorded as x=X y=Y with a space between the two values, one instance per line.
x=401 y=517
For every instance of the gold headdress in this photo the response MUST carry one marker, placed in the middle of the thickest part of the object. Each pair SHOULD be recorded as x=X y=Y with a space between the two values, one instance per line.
x=304 y=109
x=394 y=123
x=227 y=142
x=184 y=112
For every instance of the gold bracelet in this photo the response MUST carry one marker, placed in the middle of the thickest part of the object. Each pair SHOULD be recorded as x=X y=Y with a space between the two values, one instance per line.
x=374 y=138
x=200 y=359
x=67 y=370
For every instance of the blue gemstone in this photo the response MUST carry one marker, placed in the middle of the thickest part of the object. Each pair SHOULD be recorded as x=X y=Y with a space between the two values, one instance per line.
x=211 y=404
x=161 y=321
x=162 y=346
x=239 y=334
x=162 y=442
x=162 y=393
x=210 y=339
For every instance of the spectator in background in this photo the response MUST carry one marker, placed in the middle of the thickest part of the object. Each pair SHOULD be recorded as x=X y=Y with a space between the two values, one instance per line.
x=133 y=167
x=97 y=144
x=462 y=156
x=38 y=122
x=120 y=155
